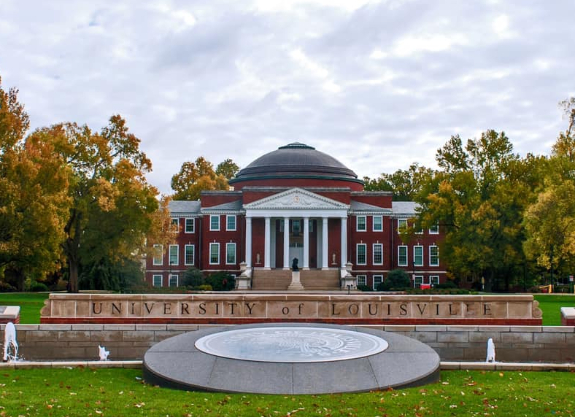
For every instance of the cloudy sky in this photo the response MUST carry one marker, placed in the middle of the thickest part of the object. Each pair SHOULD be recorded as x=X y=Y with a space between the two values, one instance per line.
x=376 y=84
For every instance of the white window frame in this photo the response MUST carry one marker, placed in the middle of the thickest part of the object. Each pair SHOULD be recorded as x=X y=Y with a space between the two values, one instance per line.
x=228 y=246
x=175 y=221
x=357 y=246
x=364 y=223
x=434 y=280
x=228 y=218
x=214 y=244
x=361 y=280
x=177 y=253
x=374 y=253
x=212 y=226
x=171 y=277
x=160 y=277
x=186 y=254
x=406 y=248
x=417 y=281
x=401 y=224
x=431 y=256
x=190 y=221
x=434 y=230
x=415 y=248
x=381 y=224
x=161 y=257
x=380 y=280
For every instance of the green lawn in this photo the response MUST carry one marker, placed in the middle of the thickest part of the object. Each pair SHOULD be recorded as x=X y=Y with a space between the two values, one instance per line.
x=30 y=305
x=551 y=305
x=121 y=392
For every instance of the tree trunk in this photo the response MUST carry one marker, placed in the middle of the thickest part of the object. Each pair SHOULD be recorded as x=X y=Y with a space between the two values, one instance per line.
x=73 y=275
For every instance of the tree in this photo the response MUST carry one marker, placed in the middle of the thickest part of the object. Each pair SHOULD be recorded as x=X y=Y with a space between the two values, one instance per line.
x=228 y=169
x=397 y=279
x=405 y=184
x=33 y=198
x=195 y=177
x=478 y=199
x=113 y=208
x=550 y=221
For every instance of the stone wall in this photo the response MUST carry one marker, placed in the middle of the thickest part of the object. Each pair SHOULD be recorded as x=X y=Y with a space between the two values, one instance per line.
x=453 y=343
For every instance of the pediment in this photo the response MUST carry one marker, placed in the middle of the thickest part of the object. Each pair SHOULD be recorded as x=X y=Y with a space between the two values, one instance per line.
x=296 y=199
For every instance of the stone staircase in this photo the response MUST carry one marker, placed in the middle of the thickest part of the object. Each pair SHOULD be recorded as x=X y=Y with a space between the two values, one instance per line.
x=279 y=280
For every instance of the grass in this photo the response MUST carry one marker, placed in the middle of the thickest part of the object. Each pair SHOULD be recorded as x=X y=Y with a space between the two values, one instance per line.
x=30 y=305
x=121 y=392
x=551 y=306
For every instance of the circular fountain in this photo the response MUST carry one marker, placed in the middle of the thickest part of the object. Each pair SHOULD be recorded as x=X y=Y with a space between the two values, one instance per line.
x=290 y=359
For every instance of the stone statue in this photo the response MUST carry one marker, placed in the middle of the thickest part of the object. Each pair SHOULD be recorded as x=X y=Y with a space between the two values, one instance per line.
x=294 y=263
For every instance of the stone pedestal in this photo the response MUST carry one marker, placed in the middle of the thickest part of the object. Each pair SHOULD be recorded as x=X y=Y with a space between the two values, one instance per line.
x=295 y=282
x=9 y=314
x=567 y=316
x=347 y=279
x=244 y=280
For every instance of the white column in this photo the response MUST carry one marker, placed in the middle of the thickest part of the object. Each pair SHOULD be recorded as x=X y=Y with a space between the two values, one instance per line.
x=248 y=242
x=286 y=243
x=324 y=254
x=267 y=243
x=343 y=241
x=306 y=242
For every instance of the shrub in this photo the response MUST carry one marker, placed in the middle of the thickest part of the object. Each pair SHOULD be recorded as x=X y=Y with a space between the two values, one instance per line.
x=38 y=287
x=446 y=285
x=364 y=288
x=221 y=281
x=396 y=280
x=193 y=278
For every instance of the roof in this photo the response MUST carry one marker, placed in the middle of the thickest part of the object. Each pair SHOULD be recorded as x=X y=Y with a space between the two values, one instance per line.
x=231 y=207
x=404 y=208
x=296 y=160
x=183 y=208
x=359 y=207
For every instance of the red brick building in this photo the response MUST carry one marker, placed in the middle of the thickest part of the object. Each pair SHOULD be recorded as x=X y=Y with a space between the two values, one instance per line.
x=297 y=202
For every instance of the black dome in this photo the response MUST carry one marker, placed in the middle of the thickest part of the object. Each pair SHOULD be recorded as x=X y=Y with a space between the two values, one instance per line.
x=296 y=160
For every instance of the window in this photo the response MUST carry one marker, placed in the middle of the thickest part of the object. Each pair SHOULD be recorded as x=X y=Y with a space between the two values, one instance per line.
x=190 y=226
x=230 y=253
x=418 y=255
x=377 y=279
x=231 y=223
x=173 y=280
x=361 y=254
x=434 y=280
x=214 y=253
x=174 y=255
x=175 y=224
x=215 y=223
x=401 y=225
x=157 y=280
x=295 y=227
x=361 y=225
x=158 y=258
x=434 y=230
x=402 y=256
x=378 y=254
x=433 y=256
x=417 y=281
x=377 y=223
x=190 y=254
x=361 y=280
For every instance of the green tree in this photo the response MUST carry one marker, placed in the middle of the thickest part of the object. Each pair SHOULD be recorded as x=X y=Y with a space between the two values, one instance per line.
x=478 y=199
x=33 y=198
x=405 y=184
x=396 y=279
x=228 y=169
x=195 y=177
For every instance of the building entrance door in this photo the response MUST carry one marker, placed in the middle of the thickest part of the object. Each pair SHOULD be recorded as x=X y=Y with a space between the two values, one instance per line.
x=296 y=251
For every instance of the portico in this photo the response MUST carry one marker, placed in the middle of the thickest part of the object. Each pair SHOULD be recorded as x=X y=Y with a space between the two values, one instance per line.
x=296 y=225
